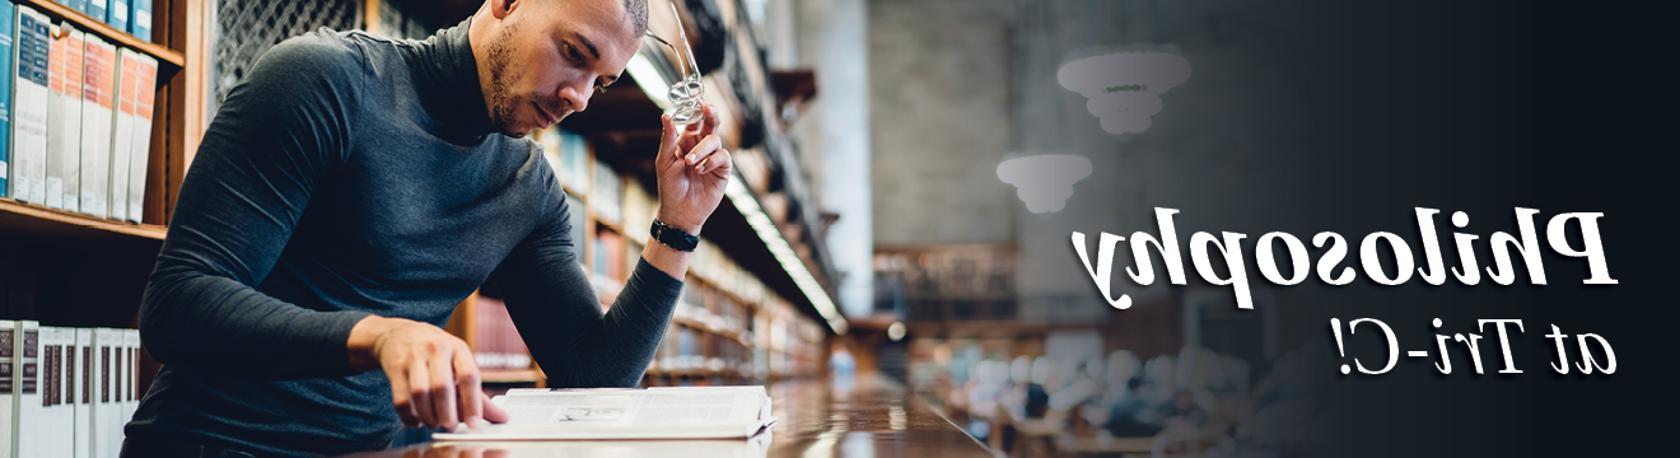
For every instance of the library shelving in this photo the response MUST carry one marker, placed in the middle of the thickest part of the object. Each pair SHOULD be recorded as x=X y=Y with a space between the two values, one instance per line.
x=67 y=252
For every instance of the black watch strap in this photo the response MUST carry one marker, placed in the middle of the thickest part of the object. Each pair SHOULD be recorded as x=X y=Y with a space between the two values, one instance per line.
x=671 y=237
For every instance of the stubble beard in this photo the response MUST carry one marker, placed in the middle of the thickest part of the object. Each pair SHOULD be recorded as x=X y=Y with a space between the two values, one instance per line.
x=502 y=105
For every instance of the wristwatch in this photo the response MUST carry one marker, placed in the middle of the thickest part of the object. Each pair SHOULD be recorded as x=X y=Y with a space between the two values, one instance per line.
x=671 y=237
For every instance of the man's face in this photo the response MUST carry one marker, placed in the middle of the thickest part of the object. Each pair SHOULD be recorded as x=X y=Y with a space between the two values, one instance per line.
x=547 y=57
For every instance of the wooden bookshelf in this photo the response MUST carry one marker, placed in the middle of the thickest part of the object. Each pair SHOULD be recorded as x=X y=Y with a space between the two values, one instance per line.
x=175 y=60
x=29 y=220
x=121 y=253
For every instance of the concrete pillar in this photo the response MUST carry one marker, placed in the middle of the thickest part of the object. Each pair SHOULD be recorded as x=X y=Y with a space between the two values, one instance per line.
x=835 y=137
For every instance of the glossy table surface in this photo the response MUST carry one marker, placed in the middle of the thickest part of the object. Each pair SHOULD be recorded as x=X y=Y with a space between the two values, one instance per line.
x=866 y=417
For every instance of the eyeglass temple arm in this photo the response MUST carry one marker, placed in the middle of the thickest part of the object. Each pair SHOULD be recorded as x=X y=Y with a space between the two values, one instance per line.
x=686 y=52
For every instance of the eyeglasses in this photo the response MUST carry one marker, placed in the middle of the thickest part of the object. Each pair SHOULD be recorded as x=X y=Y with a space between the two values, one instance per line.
x=686 y=92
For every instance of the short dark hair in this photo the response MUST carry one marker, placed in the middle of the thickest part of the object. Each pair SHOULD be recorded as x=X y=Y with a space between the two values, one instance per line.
x=637 y=10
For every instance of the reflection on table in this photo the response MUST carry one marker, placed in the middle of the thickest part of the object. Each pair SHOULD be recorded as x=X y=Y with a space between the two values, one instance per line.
x=866 y=417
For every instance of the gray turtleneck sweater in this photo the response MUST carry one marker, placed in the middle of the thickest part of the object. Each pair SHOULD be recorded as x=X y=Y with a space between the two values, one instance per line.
x=351 y=175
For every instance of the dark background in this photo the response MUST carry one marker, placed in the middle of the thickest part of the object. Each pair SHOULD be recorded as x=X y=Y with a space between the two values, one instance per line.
x=1375 y=108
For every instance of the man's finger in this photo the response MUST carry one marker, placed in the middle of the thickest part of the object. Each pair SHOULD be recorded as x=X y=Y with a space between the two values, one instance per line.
x=468 y=388
x=492 y=412
x=401 y=399
x=442 y=365
x=718 y=161
x=709 y=122
x=668 y=135
x=421 y=398
x=708 y=145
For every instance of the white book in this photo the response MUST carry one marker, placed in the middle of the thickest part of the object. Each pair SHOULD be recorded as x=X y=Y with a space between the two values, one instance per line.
x=98 y=99
x=756 y=447
x=64 y=119
x=717 y=412
x=28 y=409
x=122 y=126
x=131 y=390
x=9 y=346
x=83 y=389
x=145 y=94
x=113 y=434
x=59 y=416
x=119 y=384
x=29 y=105
x=104 y=420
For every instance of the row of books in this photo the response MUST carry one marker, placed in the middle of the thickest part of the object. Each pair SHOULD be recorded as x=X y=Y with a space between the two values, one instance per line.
x=76 y=127
x=944 y=271
x=680 y=350
x=568 y=155
x=686 y=349
x=117 y=14
x=66 y=392
x=496 y=342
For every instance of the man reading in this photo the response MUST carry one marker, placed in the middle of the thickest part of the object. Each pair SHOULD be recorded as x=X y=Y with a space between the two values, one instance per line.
x=353 y=189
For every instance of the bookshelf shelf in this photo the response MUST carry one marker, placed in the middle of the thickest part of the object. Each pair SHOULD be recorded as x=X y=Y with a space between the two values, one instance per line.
x=175 y=59
x=20 y=218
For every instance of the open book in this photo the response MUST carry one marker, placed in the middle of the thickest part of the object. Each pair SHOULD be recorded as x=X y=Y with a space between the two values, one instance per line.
x=756 y=447
x=715 y=412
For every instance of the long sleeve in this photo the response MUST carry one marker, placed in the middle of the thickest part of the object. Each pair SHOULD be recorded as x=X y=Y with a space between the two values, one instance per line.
x=553 y=305
x=277 y=136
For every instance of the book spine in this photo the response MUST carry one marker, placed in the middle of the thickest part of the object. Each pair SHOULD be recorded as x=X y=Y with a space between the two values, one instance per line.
x=122 y=122
x=104 y=417
x=8 y=25
x=70 y=157
x=54 y=179
x=119 y=15
x=60 y=415
x=111 y=435
x=97 y=373
x=78 y=5
x=29 y=105
x=52 y=365
x=83 y=388
x=8 y=387
x=131 y=396
x=97 y=88
x=97 y=9
x=29 y=410
x=64 y=118
x=140 y=23
x=140 y=155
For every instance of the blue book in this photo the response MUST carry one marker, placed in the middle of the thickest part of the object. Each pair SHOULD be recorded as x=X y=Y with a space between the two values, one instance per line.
x=6 y=31
x=78 y=5
x=140 y=19
x=28 y=135
x=118 y=17
x=96 y=9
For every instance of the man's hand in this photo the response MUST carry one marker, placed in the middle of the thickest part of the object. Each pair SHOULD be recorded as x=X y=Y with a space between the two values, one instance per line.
x=434 y=380
x=693 y=169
